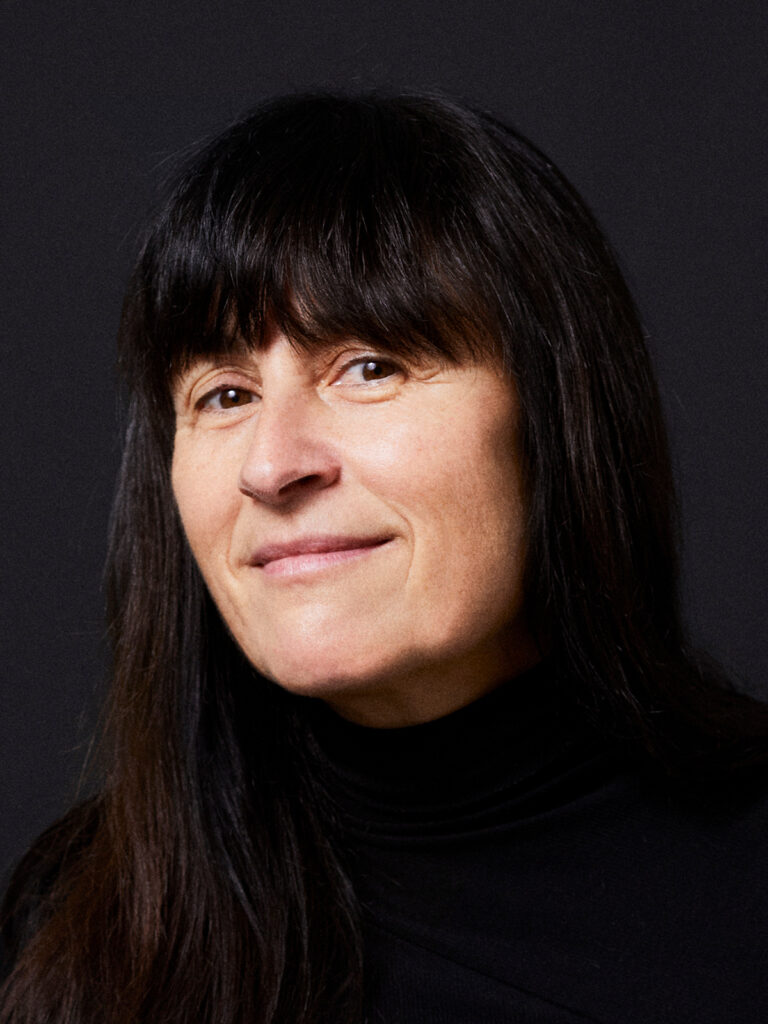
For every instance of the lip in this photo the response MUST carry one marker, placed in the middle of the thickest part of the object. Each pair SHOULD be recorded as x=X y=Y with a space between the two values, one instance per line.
x=308 y=554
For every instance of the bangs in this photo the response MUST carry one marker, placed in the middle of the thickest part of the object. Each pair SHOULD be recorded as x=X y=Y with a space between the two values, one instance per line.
x=325 y=219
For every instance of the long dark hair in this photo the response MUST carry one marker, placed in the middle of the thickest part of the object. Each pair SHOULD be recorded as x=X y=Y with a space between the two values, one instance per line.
x=204 y=882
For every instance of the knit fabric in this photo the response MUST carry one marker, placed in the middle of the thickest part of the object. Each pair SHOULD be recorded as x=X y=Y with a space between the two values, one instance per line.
x=511 y=868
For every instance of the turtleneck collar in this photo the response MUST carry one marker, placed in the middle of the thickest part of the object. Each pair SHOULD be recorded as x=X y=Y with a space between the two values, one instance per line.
x=457 y=771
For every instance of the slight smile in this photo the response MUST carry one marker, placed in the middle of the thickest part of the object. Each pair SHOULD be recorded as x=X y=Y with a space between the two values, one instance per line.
x=311 y=554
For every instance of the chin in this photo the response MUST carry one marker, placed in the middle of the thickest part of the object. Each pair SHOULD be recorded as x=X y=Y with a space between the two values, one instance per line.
x=325 y=674
x=317 y=653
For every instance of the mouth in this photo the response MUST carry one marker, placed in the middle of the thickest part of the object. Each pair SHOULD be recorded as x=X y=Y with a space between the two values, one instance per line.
x=311 y=554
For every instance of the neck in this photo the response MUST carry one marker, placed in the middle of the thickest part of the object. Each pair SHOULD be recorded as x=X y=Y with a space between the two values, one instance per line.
x=453 y=772
x=427 y=693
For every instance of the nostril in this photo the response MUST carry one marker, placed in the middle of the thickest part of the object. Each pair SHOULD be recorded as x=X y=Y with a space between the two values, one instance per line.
x=278 y=489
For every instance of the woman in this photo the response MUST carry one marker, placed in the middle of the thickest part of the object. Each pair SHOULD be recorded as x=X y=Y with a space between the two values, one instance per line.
x=403 y=724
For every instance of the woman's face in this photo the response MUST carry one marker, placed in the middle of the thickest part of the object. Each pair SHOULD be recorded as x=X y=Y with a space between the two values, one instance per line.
x=358 y=520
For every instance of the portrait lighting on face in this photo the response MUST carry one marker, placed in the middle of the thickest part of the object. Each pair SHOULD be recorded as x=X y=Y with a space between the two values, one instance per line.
x=358 y=521
x=411 y=230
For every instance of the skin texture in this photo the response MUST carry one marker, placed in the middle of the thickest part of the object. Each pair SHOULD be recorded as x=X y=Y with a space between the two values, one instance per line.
x=277 y=445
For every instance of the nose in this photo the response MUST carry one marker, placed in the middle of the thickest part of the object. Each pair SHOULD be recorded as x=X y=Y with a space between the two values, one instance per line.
x=290 y=455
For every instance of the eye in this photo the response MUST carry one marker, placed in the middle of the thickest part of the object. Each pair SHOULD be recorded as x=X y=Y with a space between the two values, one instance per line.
x=368 y=370
x=226 y=398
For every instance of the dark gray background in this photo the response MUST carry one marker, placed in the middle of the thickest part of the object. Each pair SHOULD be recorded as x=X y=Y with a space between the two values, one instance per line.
x=656 y=111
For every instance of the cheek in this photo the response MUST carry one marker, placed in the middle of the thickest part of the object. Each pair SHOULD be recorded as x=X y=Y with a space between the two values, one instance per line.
x=458 y=491
x=203 y=499
x=479 y=532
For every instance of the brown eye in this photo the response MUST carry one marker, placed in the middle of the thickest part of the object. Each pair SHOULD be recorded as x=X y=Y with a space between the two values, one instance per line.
x=227 y=398
x=368 y=371
x=376 y=369
x=233 y=397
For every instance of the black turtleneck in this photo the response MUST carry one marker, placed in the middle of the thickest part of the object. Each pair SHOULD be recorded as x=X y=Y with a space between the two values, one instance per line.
x=511 y=869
